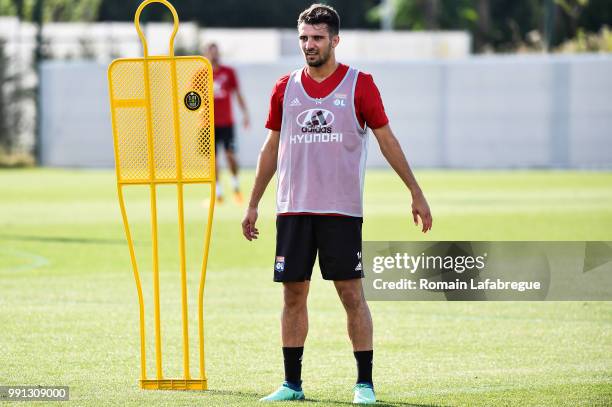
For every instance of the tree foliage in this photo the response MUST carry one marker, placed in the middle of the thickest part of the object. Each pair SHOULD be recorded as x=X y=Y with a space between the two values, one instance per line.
x=499 y=25
x=12 y=93
x=503 y=25
x=238 y=13
x=53 y=10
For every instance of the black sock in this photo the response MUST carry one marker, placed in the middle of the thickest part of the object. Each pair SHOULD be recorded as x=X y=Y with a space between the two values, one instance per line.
x=364 y=366
x=293 y=365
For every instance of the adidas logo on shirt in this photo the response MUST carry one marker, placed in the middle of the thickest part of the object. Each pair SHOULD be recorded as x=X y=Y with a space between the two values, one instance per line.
x=295 y=102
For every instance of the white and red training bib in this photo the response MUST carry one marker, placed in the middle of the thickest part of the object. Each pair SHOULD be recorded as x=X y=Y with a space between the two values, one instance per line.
x=322 y=151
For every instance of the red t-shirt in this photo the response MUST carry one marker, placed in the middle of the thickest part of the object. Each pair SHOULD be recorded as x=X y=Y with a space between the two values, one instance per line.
x=225 y=83
x=368 y=103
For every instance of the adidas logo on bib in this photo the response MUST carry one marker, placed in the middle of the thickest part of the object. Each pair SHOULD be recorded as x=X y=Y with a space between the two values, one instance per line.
x=295 y=102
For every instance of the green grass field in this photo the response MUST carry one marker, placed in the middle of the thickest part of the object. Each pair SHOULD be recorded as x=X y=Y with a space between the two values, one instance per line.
x=68 y=308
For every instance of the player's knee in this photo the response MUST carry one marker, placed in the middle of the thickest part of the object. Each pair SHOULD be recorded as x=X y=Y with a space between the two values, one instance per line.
x=294 y=302
x=295 y=298
x=351 y=299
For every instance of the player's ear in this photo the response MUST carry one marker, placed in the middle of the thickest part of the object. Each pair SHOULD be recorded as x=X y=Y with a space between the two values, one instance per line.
x=335 y=40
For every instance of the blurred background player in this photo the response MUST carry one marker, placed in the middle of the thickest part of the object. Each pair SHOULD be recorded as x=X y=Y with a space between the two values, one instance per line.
x=226 y=84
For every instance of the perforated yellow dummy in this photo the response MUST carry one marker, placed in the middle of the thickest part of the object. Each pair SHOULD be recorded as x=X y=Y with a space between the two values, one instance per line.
x=163 y=131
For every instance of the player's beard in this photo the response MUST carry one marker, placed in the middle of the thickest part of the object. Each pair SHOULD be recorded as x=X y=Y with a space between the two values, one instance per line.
x=323 y=57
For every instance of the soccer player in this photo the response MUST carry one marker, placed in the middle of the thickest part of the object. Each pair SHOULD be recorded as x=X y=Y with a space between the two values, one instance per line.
x=226 y=84
x=317 y=143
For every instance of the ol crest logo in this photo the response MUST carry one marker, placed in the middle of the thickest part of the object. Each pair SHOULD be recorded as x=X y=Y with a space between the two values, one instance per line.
x=340 y=102
x=279 y=265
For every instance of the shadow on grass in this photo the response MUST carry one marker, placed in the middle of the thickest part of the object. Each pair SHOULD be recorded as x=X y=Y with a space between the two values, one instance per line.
x=60 y=239
x=234 y=393
x=380 y=403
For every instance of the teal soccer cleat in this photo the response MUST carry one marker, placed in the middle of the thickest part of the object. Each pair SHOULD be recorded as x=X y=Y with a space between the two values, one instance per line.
x=364 y=394
x=284 y=393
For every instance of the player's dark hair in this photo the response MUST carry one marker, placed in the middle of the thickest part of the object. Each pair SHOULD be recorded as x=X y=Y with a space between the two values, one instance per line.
x=321 y=14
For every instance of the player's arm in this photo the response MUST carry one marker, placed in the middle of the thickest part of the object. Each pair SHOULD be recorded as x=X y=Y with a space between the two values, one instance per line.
x=241 y=102
x=266 y=167
x=243 y=108
x=391 y=149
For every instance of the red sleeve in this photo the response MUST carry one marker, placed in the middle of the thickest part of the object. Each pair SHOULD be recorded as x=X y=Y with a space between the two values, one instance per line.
x=275 y=114
x=368 y=103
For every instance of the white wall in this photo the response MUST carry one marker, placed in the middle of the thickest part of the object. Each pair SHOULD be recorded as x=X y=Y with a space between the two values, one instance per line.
x=75 y=124
x=486 y=112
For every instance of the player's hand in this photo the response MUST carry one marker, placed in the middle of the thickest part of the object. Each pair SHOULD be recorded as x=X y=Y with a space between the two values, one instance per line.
x=420 y=209
x=246 y=122
x=249 y=230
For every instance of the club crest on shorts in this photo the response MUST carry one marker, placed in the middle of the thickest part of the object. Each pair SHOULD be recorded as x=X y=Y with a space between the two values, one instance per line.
x=279 y=264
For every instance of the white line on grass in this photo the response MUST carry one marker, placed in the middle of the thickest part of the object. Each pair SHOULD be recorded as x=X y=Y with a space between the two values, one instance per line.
x=35 y=260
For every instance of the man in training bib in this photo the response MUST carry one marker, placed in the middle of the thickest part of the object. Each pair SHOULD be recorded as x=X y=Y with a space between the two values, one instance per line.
x=317 y=143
